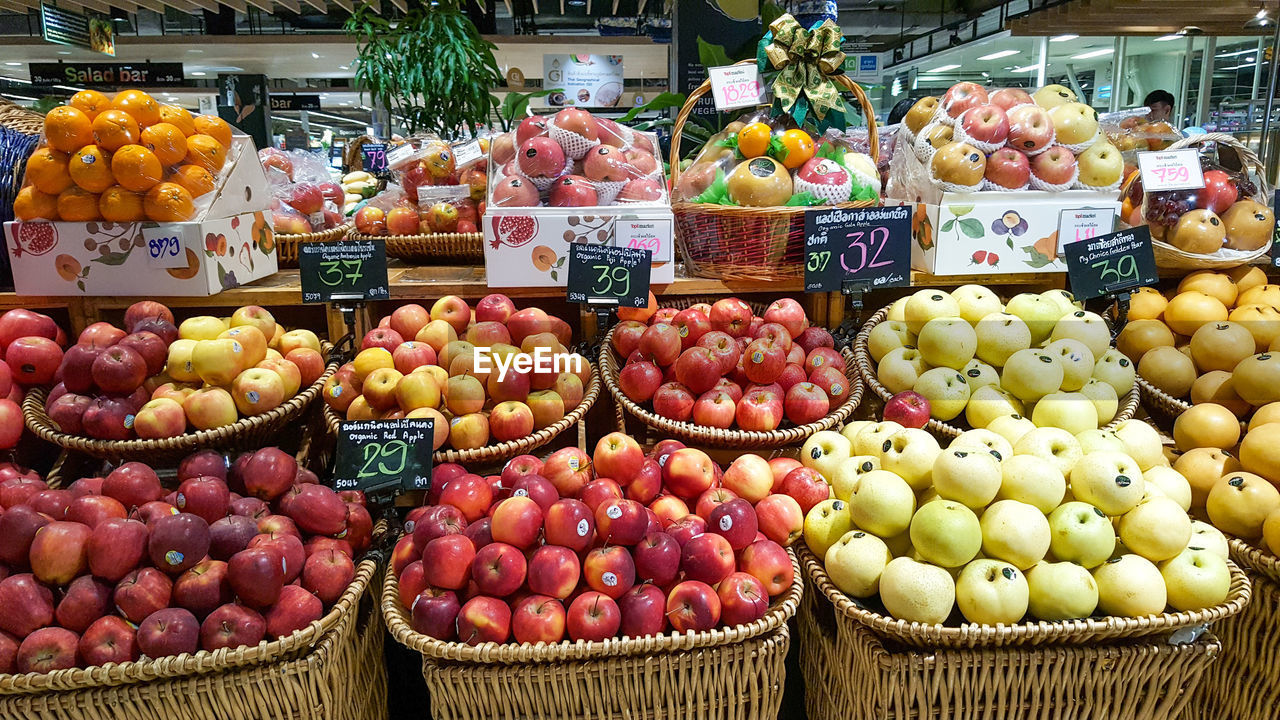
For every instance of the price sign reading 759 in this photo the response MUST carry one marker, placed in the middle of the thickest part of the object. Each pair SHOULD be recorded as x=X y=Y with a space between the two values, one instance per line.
x=343 y=270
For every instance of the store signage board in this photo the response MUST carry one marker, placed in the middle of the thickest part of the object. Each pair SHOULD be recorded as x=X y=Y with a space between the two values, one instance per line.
x=1112 y=263
x=1079 y=224
x=584 y=80
x=295 y=102
x=736 y=86
x=378 y=456
x=373 y=157
x=1275 y=235
x=353 y=270
x=106 y=74
x=166 y=244
x=606 y=275
x=64 y=27
x=867 y=246
x=1170 y=170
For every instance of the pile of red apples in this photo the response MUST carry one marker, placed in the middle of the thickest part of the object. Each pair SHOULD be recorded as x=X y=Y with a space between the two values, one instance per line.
x=118 y=568
x=31 y=346
x=722 y=366
x=612 y=544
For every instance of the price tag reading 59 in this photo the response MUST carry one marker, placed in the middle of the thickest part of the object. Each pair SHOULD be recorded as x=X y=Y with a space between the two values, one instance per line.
x=604 y=274
x=343 y=270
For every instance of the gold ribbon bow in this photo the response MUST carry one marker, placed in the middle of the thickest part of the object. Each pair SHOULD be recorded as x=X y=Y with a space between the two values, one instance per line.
x=805 y=61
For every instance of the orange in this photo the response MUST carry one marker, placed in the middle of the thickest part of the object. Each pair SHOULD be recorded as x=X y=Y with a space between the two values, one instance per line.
x=753 y=140
x=90 y=102
x=194 y=178
x=67 y=129
x=31 y=204
x=90 y=168
x=119 y=204
x=140 y=105
x=168 y=202
x=799 y=148
x=178 y=116
x=215 y=127
x=47 y=170
x=76 y=205
x=167 y=141
x=206 y=152
x=136 y=168
x=114 y=129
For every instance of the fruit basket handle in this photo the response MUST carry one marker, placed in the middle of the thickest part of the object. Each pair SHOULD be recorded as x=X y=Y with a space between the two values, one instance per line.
x=1248 y=158
x=873 y=136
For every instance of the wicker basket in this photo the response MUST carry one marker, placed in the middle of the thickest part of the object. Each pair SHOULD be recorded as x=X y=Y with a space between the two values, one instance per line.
x=748 y=243
x=726 y=673
x=248 y=433
x=492 y=454
x=287 y=245
x=729 y=438
x=435 y=249
x=1036 y=633
x=331 y=670
x=943 y=430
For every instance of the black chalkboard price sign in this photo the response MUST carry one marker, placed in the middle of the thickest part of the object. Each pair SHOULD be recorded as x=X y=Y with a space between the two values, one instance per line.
x=1275 y=234
x=373 y=157
x=867 y=246
x=343 y=270
x=384 y=455
x=604 y=274
x=1110 y=264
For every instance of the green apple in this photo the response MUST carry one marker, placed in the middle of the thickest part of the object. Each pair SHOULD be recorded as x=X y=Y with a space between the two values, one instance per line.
x=1071 y=411
x=979 y=374
x=853 y=427
x=1011 y=427
x=988 y=402
x=1038 y=313
x=1099 y=439
x=916 y=591
x=1000 y=335
x=969 y=476
x=900 y=369
x=886 y=336
x=1110 y=481
x=1087 y=327
x=1053 y=444
x=854 y=563
x=825 y=523
x=1105 y=401
x=1028 y=479
x=1157 y=529
x=849 y=472
x=1081 y=534
x=872 y=437
x=946 y=533
x=1015 y=532
x=900 y=544
x=1141 y=442
x=897 y=311
x=909 y=454
x=1207 y=537
x=1061 y=591
x=1130 y=586
x=882 y=503
x=1171 y=484
x=1196 y=579
x=824 y=451
x=926 y=305
x=982 y=439
x=1116 y=370
x=1031 y=374
x=947 y=342
x=1076 y=359
x=1065 y=300
x=976 y=302
x=946 y=391
x=992 y=592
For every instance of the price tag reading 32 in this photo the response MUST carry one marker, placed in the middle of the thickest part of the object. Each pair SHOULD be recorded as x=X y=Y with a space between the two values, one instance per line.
x=378 y=455
x=1108 y=264
x=736 y=86
x=604 y=273
x=867 y=245
x=343 y=270
x=1171 y=170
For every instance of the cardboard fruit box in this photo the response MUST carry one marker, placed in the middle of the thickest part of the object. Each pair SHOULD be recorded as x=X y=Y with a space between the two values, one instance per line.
x=986 y=232
x=230 y=242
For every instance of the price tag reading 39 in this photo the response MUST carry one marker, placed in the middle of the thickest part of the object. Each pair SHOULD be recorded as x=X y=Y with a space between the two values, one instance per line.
x=736 y=86
x=379 y=455
x=1171 y=170
x=1108 y=264
x=166 y=245
x=605 y=274
x=343 y=270
x=870 y=246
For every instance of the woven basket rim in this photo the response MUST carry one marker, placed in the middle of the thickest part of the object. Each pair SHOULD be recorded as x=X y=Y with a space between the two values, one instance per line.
x=510 y=448
x=782 y=609
x=38 y=422
x=972 y=635
x=866 y=367
x=433 y=237
x=322 y=236
x=777 y=210
x=1251 y=557
x=203 y=661
x=731 y=437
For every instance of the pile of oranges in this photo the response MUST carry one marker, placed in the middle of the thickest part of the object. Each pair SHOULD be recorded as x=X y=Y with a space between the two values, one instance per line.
x=125 y=158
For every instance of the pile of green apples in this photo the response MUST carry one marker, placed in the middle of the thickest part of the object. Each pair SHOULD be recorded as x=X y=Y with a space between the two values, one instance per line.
x=1004 y=527
x=1040 y=356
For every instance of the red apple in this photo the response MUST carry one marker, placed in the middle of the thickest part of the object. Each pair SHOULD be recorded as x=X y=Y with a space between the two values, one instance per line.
x=568 y=469
x=447 y=561
x=780 y=519
x=570 y=523
x=661 y=342
x=517 y=521
x=47 y=650
x=908 y=409
x=707 y=557
x=643 y=611
x=109 y=639
x=142 y=592
x=805 y=403
x=807 y=486
x=288 y=547
x=1030 y=128
x=691 y=324
x=202 y=588
x=435 y=613
x=21 y=322
x=484 y=619
x=92 y=509
x=1055 y=166
x=268 y=473
x=687 y=528
x=203 y=463
x=646 y=483
x=731 y=315
x=593 y=616
x=1008 y=168
x=554 y=571
x=723 y=346
x=673 y=401
x=963 y=96
x=436 y=521
x=617 y=455
x=232 y=626
x=33 y=360
x=621 y=522
x=598 y=491
x=657 y=558
x=60 y=552
x=760 y=409
x=227 y=536
x=257 y=576
x=735 y=521
x=640 y=381
x=688 y=473
x=693 y=605
x=296 y=609
x=538 y=618
x=85 y=600
x=470 y=494
x=178 y=542
x=742 y=599
x=609 y=570
x=986 y=123
x=769 y=563
x=536 y=488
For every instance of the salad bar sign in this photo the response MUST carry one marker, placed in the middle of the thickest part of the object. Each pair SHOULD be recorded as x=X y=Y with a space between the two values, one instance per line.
x=143 y=74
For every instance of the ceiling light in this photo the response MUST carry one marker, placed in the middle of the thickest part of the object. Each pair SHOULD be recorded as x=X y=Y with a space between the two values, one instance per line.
x=1239 y=67
x=1167 y=38
x=198 y=73
x=64 y=52
x=1026 y=68
x=13 y=64
x=942 y=68
x=1093 y=54
x=1261 y=20
x=198 y=52
x=1233 y=54
x=1000 y=54
x=343 y=67
x=1196 y=31
x=1063 y=38
x=315 y=55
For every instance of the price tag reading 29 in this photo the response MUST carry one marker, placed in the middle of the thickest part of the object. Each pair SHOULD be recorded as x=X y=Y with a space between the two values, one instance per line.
x=870 y=246
x=343 y=270
x=602 y=273
x=379 y=455
x=1108 y=264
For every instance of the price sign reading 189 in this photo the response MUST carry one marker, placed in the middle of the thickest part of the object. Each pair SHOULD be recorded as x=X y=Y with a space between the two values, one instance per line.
x=602 y=273
x=871 y=246
x=343 y=270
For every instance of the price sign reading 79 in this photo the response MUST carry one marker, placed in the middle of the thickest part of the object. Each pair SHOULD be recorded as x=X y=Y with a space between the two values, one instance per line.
x=343 y=270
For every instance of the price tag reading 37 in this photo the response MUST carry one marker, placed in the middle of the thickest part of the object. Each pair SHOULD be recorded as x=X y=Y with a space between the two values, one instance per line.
x=1171 y=170
x=343 y=270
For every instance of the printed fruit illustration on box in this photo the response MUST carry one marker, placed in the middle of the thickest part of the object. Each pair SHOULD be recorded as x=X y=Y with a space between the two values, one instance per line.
x=113 y=569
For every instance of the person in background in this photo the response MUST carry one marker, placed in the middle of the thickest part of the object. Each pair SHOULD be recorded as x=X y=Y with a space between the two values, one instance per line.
x=899 y=111
x=1159 y=105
